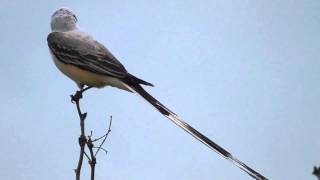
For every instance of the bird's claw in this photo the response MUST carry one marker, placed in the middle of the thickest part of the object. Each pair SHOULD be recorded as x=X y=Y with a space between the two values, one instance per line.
x=76 y=96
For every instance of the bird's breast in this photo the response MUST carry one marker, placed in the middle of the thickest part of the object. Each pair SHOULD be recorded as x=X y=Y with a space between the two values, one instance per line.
x=82 y=76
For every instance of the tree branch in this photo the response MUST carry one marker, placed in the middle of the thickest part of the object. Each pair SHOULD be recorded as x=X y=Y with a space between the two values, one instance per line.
x=104 y=136
x=83 y=140
x=93 y=160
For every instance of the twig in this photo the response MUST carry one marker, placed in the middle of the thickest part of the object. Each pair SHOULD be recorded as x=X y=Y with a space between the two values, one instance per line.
x=87 y=156
x=103 y=149
x=105 y=137
x=82 y=139
x=93 y=160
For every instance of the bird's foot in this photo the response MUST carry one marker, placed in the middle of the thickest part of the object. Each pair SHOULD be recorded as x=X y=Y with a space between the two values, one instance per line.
x=76 y=97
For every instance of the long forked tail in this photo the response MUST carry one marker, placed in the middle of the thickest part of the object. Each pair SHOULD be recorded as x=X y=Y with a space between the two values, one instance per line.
x=136 y=88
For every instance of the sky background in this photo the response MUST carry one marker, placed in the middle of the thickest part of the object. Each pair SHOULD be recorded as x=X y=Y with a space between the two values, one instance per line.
x=245 y=73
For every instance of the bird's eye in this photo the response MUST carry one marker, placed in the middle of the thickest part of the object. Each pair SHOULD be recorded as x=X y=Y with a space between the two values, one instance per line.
x=75 y=17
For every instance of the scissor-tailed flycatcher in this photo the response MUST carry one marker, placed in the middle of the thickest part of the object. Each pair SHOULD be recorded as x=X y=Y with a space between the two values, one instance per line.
x=87 y=62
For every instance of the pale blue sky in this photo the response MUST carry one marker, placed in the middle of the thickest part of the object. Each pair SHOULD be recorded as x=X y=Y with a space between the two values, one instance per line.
x=245 y=73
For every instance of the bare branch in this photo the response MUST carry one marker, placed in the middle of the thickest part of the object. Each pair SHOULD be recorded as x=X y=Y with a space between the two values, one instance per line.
x=105 y=137
x=103 y=149
x=93 y=160
x=89 y=159
x=83 y=140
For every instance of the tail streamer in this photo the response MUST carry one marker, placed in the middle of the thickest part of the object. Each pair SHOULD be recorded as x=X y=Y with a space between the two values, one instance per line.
x=136 y=88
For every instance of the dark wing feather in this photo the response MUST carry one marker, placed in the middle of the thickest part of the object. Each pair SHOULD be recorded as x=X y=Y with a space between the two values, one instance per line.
x=83 y=51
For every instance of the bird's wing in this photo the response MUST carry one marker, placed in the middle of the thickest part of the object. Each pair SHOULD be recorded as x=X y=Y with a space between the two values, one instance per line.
x=81 y=50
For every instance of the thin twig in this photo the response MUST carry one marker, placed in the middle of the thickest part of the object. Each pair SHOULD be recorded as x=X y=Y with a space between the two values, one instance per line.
x=103 y=149
x=89 y=159
x=109 y=130
x=105 y=137
x=83 y=140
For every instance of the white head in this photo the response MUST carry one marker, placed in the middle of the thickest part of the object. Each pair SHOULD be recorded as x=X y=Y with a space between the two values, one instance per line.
x=63 y=20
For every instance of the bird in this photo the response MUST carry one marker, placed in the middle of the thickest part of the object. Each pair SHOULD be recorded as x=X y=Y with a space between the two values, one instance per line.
x=89 y=63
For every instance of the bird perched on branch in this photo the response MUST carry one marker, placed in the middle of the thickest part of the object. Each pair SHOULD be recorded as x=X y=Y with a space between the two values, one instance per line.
x=87 y=62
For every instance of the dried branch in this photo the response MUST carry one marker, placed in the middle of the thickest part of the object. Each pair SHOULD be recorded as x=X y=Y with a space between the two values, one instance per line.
x=103 y=149
x=88 y=157
x=105 y=137
x=83 y=140
x=92 y=160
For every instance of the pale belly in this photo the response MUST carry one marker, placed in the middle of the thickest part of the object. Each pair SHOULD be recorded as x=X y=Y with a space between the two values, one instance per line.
x=84 y=77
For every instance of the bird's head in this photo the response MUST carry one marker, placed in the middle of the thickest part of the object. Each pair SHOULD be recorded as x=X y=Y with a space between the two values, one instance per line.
x=63 y=20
